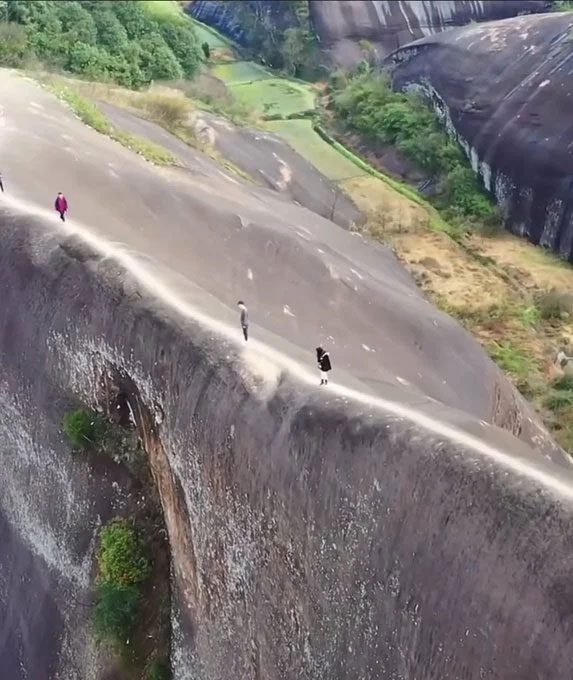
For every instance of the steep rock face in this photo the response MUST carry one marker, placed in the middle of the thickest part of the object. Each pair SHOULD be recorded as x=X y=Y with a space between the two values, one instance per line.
x=389 y=24
x=51 y=509
x=213 y=237
x=341 y=24
x=228 y=16
x=506 y=90
x=311 y=538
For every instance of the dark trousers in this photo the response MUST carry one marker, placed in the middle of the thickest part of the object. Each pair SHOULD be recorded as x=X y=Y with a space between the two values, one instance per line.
x=246 y=332
x=62 y=216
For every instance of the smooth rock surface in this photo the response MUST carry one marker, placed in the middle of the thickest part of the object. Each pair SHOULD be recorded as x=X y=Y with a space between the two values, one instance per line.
x=216 y=238
x=262 y=156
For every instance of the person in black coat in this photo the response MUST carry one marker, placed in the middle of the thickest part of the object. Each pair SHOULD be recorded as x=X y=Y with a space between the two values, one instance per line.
x=244 y=319
x=324 y=365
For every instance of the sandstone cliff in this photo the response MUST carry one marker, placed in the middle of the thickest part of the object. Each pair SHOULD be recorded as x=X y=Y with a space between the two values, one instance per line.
x=382 y=528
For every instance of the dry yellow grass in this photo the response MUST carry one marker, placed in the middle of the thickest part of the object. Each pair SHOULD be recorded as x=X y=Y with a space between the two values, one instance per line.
x=496 y=286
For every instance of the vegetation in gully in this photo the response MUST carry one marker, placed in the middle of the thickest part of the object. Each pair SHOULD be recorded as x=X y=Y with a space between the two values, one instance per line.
x=130 y=601
x=123 y=566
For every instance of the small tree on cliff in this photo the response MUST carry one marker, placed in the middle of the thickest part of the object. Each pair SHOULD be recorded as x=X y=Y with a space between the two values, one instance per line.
x=368 y=51
x=122 y=557
x=297 y=49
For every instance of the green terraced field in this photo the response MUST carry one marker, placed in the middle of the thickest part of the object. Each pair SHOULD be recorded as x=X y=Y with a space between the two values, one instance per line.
x=300 y=135
x=268 y=95
x=210 y=37
x=275 y=96
x=238 y=72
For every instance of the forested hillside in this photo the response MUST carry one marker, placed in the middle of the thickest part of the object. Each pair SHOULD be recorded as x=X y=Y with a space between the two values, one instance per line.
x=130 y=43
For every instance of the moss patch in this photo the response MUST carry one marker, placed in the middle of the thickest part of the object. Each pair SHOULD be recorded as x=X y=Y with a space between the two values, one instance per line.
x=240 y=72
x=301 y=135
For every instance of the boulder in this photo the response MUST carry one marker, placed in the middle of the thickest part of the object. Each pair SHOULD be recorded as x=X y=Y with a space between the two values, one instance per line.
x=505 y=89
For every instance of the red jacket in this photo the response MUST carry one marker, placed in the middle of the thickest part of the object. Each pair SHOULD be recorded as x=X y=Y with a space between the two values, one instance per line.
x=61 y=204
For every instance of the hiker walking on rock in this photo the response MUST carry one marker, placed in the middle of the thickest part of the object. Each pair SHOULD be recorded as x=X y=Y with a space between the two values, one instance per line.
x=324 y=365
x=244 y=319
x=61 y=205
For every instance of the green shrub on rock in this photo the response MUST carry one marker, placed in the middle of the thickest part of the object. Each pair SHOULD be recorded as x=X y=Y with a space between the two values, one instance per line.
x=81 y=427
x=116 y=612
x=122 y=42
x=14 y=49
x=159 y=670
x=123 y=566
x=122 y=558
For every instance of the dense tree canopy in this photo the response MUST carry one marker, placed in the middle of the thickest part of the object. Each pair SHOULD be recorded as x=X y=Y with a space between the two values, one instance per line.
x=117 y=41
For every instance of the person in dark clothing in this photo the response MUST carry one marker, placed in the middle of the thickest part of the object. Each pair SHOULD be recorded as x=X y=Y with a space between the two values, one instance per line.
x=324 y=365
x=244 y=319
x=1 y=184
x=61 y=205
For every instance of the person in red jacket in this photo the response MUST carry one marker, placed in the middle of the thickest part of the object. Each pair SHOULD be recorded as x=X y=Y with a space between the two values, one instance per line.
x=61 y=205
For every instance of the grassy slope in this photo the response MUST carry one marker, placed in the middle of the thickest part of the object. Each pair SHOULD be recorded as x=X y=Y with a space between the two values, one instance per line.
x=88 y=112
x=496 y=286
x=275 y=97
x=239 y=72
x=209 y=35
x=203 y=35
x=262 y=91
